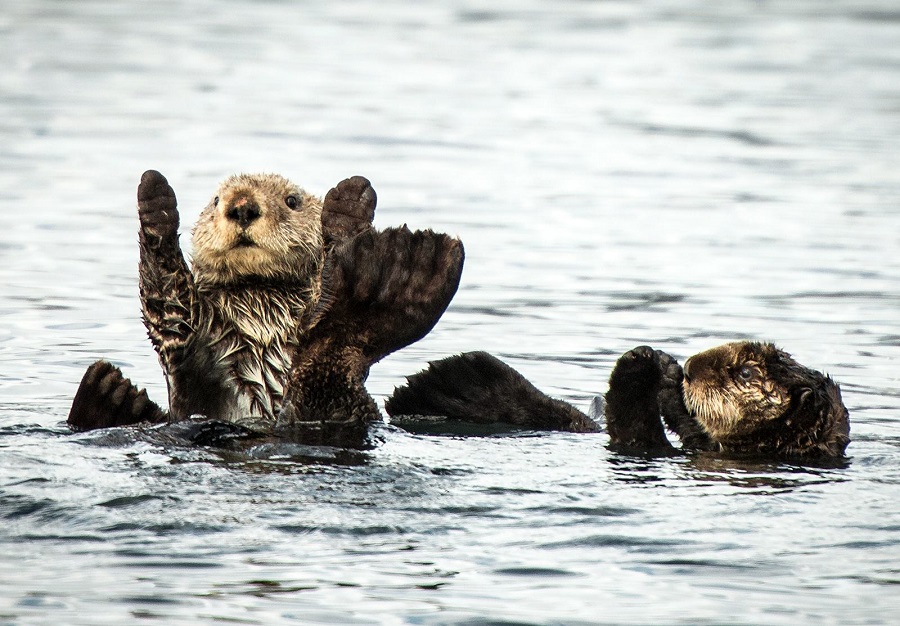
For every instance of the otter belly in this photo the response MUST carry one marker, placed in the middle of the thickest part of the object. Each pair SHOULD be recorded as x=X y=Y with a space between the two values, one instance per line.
x=235 y=365
x=229 y=377
x=257 y=375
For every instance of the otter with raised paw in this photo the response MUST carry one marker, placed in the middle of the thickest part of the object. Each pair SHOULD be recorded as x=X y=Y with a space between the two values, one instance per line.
x=751 y=397
x=744 y=397
x=282 y=286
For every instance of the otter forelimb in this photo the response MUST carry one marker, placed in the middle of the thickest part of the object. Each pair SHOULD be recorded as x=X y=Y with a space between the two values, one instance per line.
x=166 y=283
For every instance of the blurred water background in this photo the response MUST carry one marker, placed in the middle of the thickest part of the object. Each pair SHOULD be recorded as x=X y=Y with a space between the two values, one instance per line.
x=621 y=172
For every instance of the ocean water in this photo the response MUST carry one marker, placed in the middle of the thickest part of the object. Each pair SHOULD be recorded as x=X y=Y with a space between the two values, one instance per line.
x=677 y=174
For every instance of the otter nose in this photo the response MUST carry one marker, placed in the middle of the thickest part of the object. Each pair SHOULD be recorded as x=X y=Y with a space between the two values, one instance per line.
x=243 y=213
x=687 y=370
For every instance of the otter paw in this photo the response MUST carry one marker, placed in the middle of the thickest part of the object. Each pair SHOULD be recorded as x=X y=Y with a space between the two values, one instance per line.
x=639 y=367
x=157 y=207
x=348 y=208
x=632 y=412
x=671 y=371
x=106 y=398
x=671 y=404
x=387 y=289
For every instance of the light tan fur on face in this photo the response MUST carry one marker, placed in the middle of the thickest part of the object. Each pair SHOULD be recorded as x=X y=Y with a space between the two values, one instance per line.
x=729 y=390
x=280 y=244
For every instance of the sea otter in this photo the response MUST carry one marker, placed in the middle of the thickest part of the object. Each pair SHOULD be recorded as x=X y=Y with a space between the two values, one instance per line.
x=283 y=285
x=743 y=397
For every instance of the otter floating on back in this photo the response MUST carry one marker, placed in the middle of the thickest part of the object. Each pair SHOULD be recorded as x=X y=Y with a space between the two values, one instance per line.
x=743 y=397
x=289 y=302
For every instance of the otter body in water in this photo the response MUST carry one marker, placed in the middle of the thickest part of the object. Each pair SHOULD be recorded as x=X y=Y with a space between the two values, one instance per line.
x=227 y=329
x=743 y=397
x=281 y=282
x=753 y=397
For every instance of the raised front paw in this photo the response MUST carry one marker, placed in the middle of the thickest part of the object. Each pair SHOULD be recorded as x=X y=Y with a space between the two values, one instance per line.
x=157 y=206
x=672 y=409
x=348 y=209
x=671 y=404
x=637 y=368
x=632 y=411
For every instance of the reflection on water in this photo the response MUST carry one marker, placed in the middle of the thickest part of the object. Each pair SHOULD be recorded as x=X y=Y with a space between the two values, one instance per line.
x=622 y=173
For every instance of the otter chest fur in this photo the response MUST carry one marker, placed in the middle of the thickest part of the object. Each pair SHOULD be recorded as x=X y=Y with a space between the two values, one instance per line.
x=241 y=349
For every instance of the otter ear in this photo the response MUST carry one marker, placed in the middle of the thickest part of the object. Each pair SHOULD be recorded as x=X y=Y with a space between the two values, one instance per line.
x=348 y=210
x=806 y=400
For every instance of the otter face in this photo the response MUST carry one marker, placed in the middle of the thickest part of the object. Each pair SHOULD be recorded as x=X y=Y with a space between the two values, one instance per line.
x=258 y=226
x=731 y=389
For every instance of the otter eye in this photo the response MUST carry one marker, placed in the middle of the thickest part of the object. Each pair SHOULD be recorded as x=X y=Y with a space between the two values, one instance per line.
x=216 y=201
x=292 y=202
x=746 y=373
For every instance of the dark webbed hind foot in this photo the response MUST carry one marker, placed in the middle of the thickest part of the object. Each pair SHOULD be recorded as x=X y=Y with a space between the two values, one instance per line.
x=381 y=291
x=637 y=370
x=477 y=393
x=348 y=209
x=157 y=206
x=632 y=409
x=106 y=398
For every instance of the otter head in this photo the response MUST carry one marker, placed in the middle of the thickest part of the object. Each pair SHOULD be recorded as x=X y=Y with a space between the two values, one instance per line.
x=258 y=226
x=754 y=397
x=738 y=388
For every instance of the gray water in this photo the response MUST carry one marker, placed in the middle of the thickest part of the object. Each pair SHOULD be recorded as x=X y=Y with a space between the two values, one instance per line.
x=678 y=174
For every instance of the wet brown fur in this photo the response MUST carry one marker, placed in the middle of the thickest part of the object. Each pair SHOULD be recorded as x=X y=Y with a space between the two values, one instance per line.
x=227 y=330
x=475 y=392
x=754 y=397
x=281 y=284
x=743 y=397
x=380 y=294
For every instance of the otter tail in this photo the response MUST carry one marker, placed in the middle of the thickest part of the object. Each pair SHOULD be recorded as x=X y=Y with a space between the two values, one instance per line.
x=106 y=398
x=476 y=391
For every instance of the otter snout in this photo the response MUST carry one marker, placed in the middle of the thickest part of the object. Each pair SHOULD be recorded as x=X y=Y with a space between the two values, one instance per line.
x=703 y=366
x=243 y=211
x=687 y=370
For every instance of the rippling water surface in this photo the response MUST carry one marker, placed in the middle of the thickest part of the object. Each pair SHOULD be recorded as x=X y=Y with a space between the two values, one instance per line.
x=673 y=173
